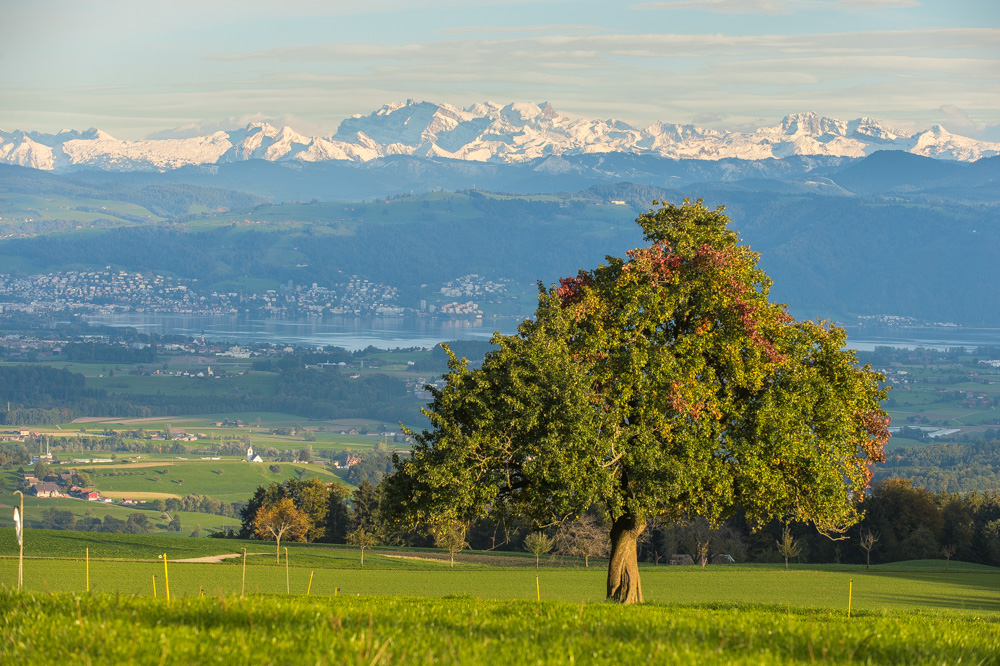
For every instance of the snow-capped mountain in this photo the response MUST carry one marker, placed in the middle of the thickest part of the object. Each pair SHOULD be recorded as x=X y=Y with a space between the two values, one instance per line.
x=484 y=132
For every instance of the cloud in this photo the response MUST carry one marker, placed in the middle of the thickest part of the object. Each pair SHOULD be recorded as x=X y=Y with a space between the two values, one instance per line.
x=878 y=4
x=774 y=6
x=723 y=6
x=959 y=121
x=498 y=30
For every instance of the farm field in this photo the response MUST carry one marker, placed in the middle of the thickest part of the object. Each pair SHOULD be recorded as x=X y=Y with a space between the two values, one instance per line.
x=419 y=611
x=379 y=630
x=126 y=564
x=34 y=506
x=225 y=480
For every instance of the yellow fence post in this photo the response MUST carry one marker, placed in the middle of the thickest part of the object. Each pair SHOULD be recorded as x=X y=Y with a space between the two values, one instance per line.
x=243 y=585
x=309 y=589
x=538 y=590
x=88 y=569
x=850 y=595
x=166 y=578
x=288 y=587
x=154 y=586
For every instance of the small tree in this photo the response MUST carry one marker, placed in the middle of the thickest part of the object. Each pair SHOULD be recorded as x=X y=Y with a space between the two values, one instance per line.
x=537 y=543
x=363 y=538
x=278 y=520
x=451 y=537
x=582 y=537
x=948 y=552
x=787 y=546
x=868 y=541
x=702 y=551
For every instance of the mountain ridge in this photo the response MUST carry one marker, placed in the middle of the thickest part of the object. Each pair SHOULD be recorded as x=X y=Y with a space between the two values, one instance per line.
x=485 y=132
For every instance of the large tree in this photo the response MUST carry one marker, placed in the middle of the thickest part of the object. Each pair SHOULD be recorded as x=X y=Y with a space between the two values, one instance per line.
x=661 y=384
x=278 y=520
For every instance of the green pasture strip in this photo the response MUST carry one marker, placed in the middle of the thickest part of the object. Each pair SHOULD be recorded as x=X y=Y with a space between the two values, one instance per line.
x=238 y=480
x=102 y=628
x=179 y=385
x=34 y=506
x=338 y=567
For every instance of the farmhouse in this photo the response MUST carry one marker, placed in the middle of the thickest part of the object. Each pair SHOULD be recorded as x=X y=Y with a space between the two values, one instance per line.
x=45 y=490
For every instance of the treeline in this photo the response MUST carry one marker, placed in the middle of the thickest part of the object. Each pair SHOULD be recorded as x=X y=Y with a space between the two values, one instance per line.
x=39 y=395
x=136 y=522
x=99 y=352
x=947 y=468
x=901 y=522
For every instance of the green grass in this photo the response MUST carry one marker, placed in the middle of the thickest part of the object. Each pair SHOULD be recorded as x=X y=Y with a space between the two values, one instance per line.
x=126 y=564
x=417 y=611
x=238 y=480
x=101 y=628
x=34 y=506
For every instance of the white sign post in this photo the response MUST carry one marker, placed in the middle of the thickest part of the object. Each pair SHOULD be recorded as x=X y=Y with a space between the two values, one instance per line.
x=19 y=529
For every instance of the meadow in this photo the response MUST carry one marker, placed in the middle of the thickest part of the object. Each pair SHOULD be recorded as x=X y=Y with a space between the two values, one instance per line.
x=126 y=564
x=402 y=611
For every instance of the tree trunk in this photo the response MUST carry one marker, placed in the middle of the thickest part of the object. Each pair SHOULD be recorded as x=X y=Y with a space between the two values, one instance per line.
x=623 y=565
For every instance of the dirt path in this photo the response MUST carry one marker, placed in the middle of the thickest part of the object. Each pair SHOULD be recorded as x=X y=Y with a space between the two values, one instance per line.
x=215 y=559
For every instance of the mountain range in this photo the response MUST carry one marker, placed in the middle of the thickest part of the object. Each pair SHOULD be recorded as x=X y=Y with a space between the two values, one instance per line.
x=484 y=133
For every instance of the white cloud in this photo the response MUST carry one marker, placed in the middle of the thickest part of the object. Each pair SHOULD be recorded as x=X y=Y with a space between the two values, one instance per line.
x=774 y=6
x=723 y=6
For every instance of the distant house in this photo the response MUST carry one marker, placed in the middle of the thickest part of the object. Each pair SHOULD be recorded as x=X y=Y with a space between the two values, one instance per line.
x=45 y=490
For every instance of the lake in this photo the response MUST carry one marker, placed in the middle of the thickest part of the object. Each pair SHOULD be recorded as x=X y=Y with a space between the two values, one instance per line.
x=401 y=332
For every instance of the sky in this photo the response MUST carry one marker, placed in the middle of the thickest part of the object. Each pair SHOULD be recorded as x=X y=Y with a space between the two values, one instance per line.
x=139 y=69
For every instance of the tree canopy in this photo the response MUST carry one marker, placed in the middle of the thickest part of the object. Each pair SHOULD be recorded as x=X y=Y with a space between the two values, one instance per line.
x=660 y=384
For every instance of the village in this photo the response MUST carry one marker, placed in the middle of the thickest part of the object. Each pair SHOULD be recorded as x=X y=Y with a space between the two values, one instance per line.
x=117 y=292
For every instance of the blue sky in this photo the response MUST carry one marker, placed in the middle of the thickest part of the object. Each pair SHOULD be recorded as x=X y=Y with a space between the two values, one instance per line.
x=177 y=68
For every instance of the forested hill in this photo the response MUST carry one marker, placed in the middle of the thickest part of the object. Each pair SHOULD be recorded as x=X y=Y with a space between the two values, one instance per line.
x=928 y=253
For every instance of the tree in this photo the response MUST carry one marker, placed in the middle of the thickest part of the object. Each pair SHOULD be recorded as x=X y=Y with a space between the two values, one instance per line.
x=948 y=552
x=538 y=544
x=868 y=541
x=583 y=537
x=337 y=517
x=451 y=537
x=363 y=538
x=365 y=506
x=175 y=523
x=278 y=520
x=787 y=546
x=310 y=497
x=662 y=384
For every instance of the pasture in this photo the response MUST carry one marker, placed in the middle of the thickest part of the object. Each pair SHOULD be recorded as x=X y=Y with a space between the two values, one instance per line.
x=226 y=480
x=126 y=564
x=416 y=611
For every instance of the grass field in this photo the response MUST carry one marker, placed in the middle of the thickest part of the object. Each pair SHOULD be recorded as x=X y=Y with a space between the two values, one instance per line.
x=34 y=506
x=126 y=564
x=377 y=630
x=415 y=611
x=226 y=480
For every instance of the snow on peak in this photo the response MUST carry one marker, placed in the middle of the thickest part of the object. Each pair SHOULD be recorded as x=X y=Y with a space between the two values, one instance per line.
x=484 y=132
